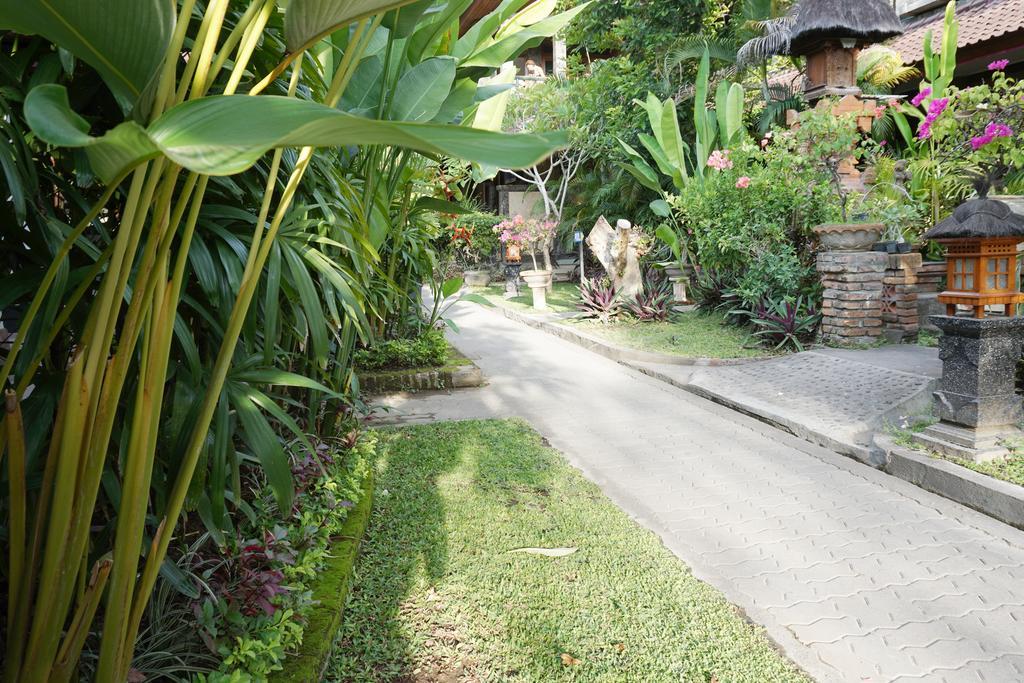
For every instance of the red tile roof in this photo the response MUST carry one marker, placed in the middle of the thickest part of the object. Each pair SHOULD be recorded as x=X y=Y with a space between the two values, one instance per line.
x=980 y=21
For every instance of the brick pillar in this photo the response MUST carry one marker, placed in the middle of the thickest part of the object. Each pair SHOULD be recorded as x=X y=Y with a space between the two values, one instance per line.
x=900 y=319
x=852 y=308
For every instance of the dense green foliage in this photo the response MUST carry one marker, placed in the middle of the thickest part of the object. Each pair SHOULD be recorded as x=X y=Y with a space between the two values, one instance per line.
x=425 y=351
x=641 y=29
x=193 y=275
x=440 y=596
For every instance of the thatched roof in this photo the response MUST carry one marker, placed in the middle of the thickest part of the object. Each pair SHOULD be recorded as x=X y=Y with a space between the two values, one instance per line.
x=869 y=21
x=979 y=218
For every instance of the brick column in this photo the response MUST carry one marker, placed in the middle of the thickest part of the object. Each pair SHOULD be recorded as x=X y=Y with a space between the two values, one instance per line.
x=900 y=319
x=852 y=308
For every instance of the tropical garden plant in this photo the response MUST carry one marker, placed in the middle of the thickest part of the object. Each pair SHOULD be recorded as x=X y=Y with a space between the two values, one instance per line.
x=193 y=263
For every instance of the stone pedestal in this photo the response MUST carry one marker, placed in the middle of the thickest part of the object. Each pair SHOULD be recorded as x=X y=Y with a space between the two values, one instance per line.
x=900 y=321
x=852 y=300
x=976 y=403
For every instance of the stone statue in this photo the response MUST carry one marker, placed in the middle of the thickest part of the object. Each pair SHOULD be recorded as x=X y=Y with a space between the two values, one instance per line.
x=616 y=249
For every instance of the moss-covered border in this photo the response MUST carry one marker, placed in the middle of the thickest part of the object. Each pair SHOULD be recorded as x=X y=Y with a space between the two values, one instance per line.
x=458 y=372
x=330 y=592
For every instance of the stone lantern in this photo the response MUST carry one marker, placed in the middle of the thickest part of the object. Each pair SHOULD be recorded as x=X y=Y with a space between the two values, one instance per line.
x=981 y=239
x=977 y=403
x=830 y=33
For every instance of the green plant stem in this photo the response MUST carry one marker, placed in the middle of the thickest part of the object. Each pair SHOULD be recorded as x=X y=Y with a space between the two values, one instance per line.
x=250 y=280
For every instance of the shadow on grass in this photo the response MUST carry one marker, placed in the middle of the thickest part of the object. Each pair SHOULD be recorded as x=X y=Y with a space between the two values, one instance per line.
x=405 y=547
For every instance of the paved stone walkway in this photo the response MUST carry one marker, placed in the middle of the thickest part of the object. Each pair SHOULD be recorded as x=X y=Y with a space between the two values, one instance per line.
x=857 y=575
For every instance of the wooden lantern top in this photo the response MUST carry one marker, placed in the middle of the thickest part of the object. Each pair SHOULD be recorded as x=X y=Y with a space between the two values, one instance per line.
x=982 y=238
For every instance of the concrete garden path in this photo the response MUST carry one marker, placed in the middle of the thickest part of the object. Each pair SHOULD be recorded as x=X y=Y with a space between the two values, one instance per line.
x=858 y=576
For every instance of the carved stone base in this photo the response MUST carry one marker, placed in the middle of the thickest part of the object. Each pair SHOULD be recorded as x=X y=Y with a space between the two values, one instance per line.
x=977 y=445
x=976 y=401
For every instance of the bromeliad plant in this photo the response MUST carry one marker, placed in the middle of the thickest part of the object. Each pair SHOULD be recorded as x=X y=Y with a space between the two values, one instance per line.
x=785 y=324
x=187 y=122
x=654 y=304
x=598 y=299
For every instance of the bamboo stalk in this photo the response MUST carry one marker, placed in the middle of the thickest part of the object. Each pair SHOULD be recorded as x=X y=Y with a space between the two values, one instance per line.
x=16 y=503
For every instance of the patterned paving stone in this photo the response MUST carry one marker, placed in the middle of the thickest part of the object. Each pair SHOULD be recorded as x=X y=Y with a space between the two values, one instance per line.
x=829 y=394
x=857 y=575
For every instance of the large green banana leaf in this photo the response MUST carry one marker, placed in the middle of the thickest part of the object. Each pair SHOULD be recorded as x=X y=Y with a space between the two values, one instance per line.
x=124 y=40
x=226 y=134
x=307 y=21
x=495 y=53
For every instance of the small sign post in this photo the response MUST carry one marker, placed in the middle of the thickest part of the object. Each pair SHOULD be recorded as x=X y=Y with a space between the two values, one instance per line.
x=578 y=238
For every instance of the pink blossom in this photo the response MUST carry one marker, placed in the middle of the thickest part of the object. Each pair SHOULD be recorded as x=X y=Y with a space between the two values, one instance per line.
x=992 y=131
x=937 y=107
x=879 y=112
x=999 y=130
x=921 y=97
x=999 y=65
x=720 y=160
x=743 y=182
x=924 y=131
x=883 y=143
x=980 y=141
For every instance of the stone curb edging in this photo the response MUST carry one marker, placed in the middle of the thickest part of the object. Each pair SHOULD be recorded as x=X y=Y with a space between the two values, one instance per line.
x=999 y=499
x=614 y=351
x=793 y=427
x=331 y=594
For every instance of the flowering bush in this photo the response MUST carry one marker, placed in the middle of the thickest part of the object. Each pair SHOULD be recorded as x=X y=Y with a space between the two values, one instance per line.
x=532 y=233
x=976 y=132
x=769 y=198
x=472 y=239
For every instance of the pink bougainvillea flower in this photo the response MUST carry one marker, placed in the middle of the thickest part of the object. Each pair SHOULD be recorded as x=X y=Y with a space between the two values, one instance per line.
x=980 y=141
x=743 y=182
x=999 y=65
x=937 y=107
x=879 y=112
x=999 y=130
x=924 y=131
x=883 y=143
x=921 y=97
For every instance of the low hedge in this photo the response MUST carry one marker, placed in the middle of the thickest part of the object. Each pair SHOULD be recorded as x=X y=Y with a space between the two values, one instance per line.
x=428 y=350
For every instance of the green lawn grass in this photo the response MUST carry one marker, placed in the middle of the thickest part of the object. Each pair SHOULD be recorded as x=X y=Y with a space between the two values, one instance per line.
x=1009 y=469
x=562 y=299
x=440 y=596
x=691 y=334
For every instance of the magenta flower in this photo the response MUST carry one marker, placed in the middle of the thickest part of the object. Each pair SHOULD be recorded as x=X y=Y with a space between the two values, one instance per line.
x=924 y=131
x=999 y=65
x=999 y=130
x=937 y=107
x=921 y=97
x=743 y=182
x=980 y=141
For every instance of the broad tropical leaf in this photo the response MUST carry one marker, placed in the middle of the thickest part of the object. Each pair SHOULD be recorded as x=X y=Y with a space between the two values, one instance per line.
x=423 y=89
x=203 y=135
x=125 y=40
x=500 y=51
x=307 y=21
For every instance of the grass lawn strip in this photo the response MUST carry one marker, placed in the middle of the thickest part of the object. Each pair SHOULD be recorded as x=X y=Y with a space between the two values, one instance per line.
x=440 y=596
x=690 y=335
x=562 y=299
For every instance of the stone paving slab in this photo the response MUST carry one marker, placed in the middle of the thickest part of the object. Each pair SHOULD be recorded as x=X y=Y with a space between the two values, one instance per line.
x=857 y=575
x=830 y=399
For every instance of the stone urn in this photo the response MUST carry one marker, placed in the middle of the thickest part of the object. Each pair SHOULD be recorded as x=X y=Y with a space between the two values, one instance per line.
x=849 y=236
x=477 y=278
x=680 y=279
x=538 y=281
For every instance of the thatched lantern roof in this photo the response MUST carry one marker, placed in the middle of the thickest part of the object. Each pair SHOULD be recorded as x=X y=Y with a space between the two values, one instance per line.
x=865 y=21
x=979 y=218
